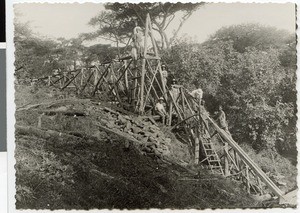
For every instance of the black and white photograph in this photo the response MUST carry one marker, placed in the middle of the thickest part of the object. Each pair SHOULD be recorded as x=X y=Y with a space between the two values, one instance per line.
x=155 y=105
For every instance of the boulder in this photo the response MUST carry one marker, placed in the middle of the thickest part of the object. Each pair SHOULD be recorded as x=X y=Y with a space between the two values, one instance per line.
x=144 y=140
x=128 y=125
x=136 y=130
x=168 y=140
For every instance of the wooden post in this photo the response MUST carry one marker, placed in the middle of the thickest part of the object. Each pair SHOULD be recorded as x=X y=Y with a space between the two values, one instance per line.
x=81 y=80
x=226 y=163
x=126 y=77
x=60 y=82
x=259 y=186
x=182 y=98
x=197 y=150
x=96 y=76
x=141 y=103
x=64 y=78
x=170 y=114
x=152 y=37
x=247 y=178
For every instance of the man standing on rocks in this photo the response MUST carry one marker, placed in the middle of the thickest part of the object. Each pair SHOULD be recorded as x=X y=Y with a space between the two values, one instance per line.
x=160 y=109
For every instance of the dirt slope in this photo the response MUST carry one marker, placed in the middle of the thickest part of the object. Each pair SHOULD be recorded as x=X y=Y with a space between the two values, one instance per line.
x=106 y=159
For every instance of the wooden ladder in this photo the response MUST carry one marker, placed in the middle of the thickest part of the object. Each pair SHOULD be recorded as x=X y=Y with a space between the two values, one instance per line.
x=212 y=157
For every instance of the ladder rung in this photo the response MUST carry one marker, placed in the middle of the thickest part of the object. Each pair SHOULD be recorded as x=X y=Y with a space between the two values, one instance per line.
x=215 y=168
x=135 y=77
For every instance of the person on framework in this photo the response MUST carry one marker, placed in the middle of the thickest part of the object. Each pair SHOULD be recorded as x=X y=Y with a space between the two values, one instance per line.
x=221 y=120
x=197 y=94
x=134 y=51
x=164 y=73
x=160 y=109
x=174 y=89
x=138 y=38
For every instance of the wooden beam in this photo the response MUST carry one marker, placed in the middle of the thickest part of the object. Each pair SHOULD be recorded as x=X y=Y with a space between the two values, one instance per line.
x=101 y=77
x=148 y=90
x=82 y=89
x=69 y=82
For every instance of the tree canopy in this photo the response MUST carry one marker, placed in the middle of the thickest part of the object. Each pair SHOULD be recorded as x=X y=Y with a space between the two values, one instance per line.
x=119 y=19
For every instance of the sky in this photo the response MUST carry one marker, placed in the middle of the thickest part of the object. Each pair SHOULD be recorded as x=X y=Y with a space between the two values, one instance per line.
x=69 y=20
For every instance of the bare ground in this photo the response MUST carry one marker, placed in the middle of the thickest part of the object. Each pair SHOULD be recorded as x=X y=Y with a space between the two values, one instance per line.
x=107 y=160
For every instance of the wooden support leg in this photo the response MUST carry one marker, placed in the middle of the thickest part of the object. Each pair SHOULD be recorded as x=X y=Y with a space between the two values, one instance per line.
x=170 y=114
x=226 y=163
x=142 y=87
x=247 y=178
x=196 y=150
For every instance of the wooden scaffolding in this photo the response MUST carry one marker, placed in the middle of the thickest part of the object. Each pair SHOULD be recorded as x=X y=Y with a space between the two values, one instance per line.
x=137 y=83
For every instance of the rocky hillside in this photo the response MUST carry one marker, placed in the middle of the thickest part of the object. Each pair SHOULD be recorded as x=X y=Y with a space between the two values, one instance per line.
x=81 y=154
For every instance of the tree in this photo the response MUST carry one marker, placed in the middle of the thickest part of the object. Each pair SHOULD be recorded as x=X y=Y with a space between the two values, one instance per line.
x=254 y=80
x=254 y=35
x=31 y=53
x=109 y=28
x=37 y=57
x=119 y=21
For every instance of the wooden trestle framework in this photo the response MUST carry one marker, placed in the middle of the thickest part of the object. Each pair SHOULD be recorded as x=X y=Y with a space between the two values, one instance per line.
x=137 y=85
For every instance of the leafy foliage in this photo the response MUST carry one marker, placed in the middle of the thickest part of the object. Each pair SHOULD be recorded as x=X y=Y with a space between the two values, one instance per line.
x=250 y=69
x=38 y=57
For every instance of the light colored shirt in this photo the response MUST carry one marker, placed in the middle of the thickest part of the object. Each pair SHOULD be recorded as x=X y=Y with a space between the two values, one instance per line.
x=160 y=108
x=198 y=93
x=175 y=92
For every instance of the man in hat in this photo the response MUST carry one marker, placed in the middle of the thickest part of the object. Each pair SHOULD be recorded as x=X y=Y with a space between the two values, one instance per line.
x=160 y=109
